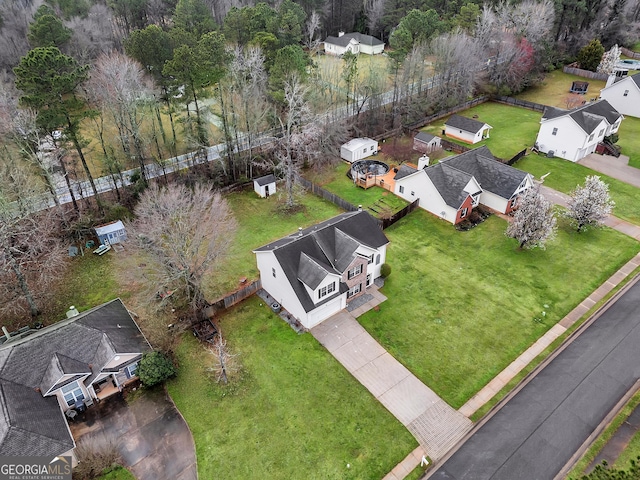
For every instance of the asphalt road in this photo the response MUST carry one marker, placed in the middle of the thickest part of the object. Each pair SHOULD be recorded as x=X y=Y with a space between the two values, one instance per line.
x=537 y=431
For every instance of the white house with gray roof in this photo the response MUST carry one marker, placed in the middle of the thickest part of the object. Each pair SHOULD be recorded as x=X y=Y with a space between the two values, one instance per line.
x=354 y=43
x=314 y=272
x=466 y=129
x=61 y=367
x=574 y=134
x=623 y=94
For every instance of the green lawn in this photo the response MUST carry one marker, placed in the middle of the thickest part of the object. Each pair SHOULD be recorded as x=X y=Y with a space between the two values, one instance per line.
x=118 y=473
x=565 y=176
x=629 y=134
x=260 y=222
x=462 y=305
x=554 y=89
x=294 y=413
x=514 y=128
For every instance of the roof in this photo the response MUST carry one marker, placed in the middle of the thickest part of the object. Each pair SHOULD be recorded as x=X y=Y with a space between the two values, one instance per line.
x=345 y=39
x=404 y=171
x=634 y=78
x=424 y=137
x=308 y=256
x=492 y=175
x=356 y=143
x=466 y=124
x=266 y=180
x=109 y=227
x=587 y=116
x=450 y=183
x=31 y=424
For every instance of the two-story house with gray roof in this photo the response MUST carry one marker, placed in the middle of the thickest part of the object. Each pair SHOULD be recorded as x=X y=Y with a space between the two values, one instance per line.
x=64 y=366
x=623 y=93
x=314 y=272
x=574 y=134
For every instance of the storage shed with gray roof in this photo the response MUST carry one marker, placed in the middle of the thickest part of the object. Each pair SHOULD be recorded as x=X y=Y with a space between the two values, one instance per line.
x=466 y=129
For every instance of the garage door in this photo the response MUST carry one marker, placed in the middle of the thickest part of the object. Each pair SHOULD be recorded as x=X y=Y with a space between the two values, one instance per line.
x=323 y=312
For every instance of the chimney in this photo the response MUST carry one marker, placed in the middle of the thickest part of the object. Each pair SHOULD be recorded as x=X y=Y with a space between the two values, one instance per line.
x=72 y=312
x=423 y=162
x=6 y=332
x=340 y=34
x=359 y=208
x=299 y=231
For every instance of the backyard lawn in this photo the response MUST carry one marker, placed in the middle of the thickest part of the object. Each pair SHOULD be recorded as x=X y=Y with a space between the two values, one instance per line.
x=294 y=412
x=513 y=128
x=462 y=305
x=554 y=89
x=629 y=140
x=565 y=176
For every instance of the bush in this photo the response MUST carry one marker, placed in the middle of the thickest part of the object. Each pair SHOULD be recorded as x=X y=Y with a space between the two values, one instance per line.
x=590 y=55
x=95 y=455
x=385 y=270
x=155 y=368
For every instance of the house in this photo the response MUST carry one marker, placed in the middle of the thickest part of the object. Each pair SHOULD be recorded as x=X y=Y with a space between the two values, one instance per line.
x=265 y=186
x=358 y=148
x=314 y=272
x=574 y=134
x=623 y=95
x=424 y=142
x=54 y=370
x=354 y=43
x=466 y=129
x=111 y=233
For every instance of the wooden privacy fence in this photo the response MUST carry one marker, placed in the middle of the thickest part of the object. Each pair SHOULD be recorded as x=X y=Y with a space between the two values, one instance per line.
x=630 y=53
x=446 y=112
x=538 y=107
x=326 y=194
x=387 y=222
x=516 y=157
x=571 y=69
x=454 y=147
x=232 y=298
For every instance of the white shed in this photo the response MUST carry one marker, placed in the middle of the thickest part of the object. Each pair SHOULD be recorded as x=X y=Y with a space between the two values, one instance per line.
x=358 y=148
x=265 y=186
x=111 y=233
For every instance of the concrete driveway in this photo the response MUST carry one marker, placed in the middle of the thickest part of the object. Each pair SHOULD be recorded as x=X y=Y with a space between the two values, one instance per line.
x=151 y=436
x=614 y=167
x=539 y=427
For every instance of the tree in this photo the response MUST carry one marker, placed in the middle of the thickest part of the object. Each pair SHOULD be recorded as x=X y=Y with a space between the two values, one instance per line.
x=154 y=368
x=468 y=17
x=534 y=223
x=609 y=60
x=194 y=17
x=184 y=233
x=225 y=362
x=590 y=55
x=47 y=29
x=590 y=204
x=151 y=47
x=417 y=26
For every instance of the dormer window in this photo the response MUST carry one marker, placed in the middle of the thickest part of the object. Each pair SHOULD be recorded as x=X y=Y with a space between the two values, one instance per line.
x=324 y=291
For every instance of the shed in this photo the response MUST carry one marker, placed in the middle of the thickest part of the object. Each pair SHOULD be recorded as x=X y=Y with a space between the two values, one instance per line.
x=466 y=129
x=265 y=186
x=358 y=148
x=111 y=233
x=424 y=142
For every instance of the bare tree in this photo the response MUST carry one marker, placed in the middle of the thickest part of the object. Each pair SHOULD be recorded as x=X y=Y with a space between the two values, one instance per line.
x=590 y=204
x=609 y=60
x=534 y=223
x=225 y=362
x=310 y=29
x=184 y=233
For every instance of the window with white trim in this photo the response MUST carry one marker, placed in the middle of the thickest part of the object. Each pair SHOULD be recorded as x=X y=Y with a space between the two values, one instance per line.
x=371 y=148
x=72 y=393
x=364 y=150
x=378 y=259
x=626 y=92
x=514 y=200
x=354 y=290
x=591 y=137
x=130 y=370
x=354 y=272
x=273 y=272
x=324 y=291
x=370 y=259
x=463 y=213
x=555 y=131
x=401 y=189
x=413 y=194
x=601 y=132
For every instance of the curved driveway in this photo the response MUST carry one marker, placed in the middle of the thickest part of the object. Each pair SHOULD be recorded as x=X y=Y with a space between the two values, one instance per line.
x=535 y=433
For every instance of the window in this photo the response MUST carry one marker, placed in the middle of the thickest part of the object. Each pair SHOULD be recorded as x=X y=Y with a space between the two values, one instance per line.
x=364 y=150
x=354 y=272
x=413 y=194
x=591 y=137
x=370 y=261
x=354 y=290
x=72 y=393
x=514 y=200
x=555 y=131
x=626 y=92
x=463 y=213
x=371 y=148
x=273 y=272
x=601 y=132
x=324 y=291
x=377 y=259
x=130 y=371
x=401 y=189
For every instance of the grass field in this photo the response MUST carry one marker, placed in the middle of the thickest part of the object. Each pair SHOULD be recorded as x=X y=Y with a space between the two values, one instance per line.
x=629 y=140
x=293 y=411
x=118 y=473
x=554 y=89
x=462 y=306
x=565 y=176
x=513 y=128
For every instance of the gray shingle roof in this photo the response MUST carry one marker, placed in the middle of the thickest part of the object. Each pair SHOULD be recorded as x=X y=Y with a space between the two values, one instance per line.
x=450 y=183
x=310 y=272
x=465 y=124
x=587 y=116
x=424 y=137
x=266 y=180
x=344 y=40
x=492 y=175
x=404 y=171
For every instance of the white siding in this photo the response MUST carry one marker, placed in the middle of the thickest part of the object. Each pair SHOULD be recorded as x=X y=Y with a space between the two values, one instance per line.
x=279 y=287
x=329 y=279
x=262 y=189
x=426 y=192
x=121 y=358
x=614 y=94
x=570 y=141
x=358 y=148
x=461 y=134
x=494 y=201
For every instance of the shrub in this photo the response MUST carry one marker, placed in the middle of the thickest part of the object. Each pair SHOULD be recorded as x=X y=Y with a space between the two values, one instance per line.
x=95 y=455
x=590 y=55
x=155 y=368
x=385 y=270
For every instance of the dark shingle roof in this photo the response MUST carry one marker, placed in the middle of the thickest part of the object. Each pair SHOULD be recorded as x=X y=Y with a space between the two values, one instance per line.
x=450 y=183
x=266 y=180
x=424 y=137
x=492 y=175
x=464 y=123
x=344 y=40
x=331 y=245
x=404 y=171
x=636 y=78
x=588 y=116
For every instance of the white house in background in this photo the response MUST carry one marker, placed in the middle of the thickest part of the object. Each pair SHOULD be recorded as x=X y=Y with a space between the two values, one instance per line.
x=265 y=186
x=354 y=43
x=111 y=233
x=574 y=134
x=466 y=129
x=314 y=272
x=623 y=94
x=358 y=148
x=424 y=142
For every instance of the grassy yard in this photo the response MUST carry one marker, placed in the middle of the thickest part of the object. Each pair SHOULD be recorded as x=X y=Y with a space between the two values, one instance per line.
x=462 y=306
x=294 y=412
x=513 y=128
x=554 y=89
x=118 y=473
x=629 y=134
x=565 y=176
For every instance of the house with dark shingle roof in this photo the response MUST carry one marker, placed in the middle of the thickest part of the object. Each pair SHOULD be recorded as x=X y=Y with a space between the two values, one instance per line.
x=354 y=43
x=574 y=134
x=312 y=273
x=425 y=142
x=466 y=129
x=61 y=367
x=623 y=94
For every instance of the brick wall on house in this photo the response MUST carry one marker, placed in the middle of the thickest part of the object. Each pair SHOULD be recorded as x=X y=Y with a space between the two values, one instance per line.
x=362 y=278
